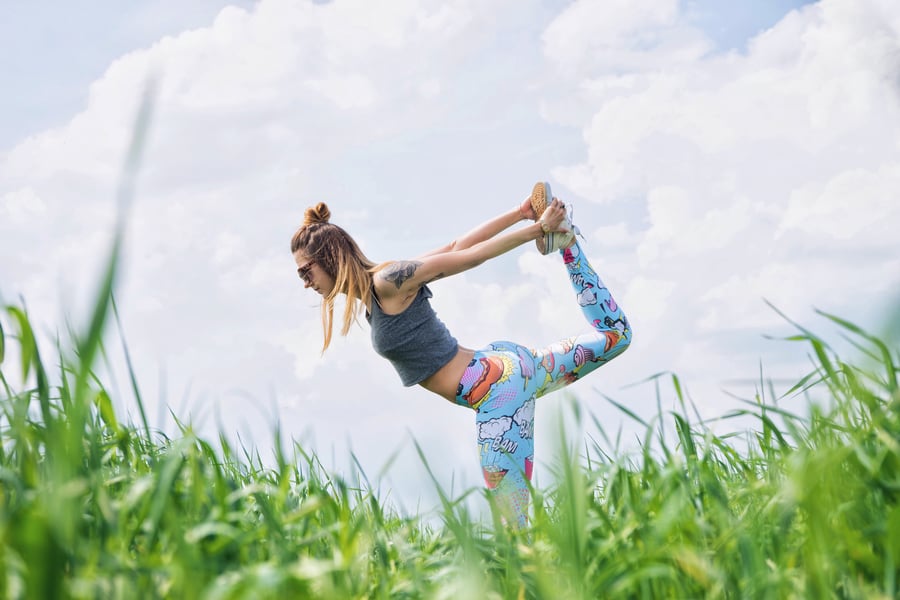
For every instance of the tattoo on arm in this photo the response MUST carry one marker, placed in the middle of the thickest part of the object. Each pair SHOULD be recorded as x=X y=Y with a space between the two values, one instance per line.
x=400 y=271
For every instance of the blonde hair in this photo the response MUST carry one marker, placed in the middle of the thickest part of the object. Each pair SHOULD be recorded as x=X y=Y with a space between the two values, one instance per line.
x=336 y=253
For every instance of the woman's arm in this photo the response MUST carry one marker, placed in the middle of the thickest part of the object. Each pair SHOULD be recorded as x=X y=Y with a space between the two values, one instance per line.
x=488 y=229
x=404 y=278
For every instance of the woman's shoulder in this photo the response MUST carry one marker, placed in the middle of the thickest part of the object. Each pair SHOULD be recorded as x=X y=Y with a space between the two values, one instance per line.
x=398 y=272
x=391 y=298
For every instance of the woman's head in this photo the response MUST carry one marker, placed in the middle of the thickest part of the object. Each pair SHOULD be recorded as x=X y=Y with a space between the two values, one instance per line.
x=329 y=261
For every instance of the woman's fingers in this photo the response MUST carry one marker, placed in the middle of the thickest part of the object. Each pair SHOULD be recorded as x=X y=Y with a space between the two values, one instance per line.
x=555 y=213
x=526 y=210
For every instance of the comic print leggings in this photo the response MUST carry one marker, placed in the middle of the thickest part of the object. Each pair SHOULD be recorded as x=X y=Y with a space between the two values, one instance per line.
x=503 y=380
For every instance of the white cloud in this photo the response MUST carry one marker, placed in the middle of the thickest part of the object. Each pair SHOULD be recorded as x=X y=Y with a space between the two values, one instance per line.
x=430 y=88
x=305 y=345
x=803 y=93
x=621 y=35
x=857 y=204
x=21 y=205
x=649 y=299
x=687 y=224
x=617 y=236
x=352 y=91
x=228 y=246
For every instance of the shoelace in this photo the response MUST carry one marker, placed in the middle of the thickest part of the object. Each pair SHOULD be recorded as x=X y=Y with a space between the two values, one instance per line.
x=570 y=211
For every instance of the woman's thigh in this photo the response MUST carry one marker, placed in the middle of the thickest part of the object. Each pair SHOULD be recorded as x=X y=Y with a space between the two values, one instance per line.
x=500 y=384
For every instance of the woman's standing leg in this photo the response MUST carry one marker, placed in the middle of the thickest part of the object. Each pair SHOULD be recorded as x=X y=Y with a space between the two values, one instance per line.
x=499 y=386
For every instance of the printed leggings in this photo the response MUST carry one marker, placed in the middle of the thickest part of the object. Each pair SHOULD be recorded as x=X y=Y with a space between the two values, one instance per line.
x=504 y=378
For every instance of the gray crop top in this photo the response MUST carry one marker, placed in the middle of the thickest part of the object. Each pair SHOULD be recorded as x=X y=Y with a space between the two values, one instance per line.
x=416 y=342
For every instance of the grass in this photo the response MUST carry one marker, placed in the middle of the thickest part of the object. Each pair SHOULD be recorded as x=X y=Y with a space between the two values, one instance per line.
x=801 y=505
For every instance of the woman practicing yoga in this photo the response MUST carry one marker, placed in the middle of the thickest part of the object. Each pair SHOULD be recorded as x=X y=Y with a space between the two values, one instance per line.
x=501 y=381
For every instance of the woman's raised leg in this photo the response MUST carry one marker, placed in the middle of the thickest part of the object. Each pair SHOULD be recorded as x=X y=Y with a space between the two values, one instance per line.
x=572 y=358
x=503 y=380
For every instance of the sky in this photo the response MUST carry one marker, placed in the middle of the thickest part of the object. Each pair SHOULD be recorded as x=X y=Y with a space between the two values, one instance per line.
x=720 y=157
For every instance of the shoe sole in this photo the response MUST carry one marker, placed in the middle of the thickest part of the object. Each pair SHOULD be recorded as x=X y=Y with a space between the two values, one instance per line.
x=541 y=196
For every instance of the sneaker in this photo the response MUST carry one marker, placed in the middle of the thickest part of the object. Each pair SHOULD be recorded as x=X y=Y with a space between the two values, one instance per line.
x=559 y=240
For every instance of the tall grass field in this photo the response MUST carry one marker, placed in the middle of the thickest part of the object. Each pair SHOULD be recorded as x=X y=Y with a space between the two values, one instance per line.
x=803 y=505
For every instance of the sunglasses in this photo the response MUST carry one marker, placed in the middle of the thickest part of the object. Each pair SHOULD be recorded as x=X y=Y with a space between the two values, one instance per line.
x=303 y=271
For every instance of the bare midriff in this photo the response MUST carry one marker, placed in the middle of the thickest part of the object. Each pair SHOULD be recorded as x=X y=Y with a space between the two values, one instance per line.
x=446 y=380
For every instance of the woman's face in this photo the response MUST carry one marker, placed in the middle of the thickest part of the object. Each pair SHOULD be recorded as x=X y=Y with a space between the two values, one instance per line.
x=313 y=275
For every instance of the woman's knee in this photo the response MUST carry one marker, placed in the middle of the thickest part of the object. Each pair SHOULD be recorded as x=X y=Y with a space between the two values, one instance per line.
x=621 y=342
x=626 y=336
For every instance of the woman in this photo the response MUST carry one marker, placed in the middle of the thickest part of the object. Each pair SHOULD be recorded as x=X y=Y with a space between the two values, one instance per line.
x=499 y=382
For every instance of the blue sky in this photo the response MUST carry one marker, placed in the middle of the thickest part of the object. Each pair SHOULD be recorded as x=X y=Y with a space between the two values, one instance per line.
x=716 y=160
x=731 y=24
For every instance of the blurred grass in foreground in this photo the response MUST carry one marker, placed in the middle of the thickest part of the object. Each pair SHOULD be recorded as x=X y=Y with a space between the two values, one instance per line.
x=799 y=507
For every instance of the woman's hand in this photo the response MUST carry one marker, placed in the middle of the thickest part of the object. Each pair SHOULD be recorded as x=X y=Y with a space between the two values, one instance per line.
x=526 y=211
x=554 y=215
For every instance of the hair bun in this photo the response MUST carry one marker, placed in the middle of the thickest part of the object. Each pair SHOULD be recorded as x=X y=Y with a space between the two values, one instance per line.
x=316 y=214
